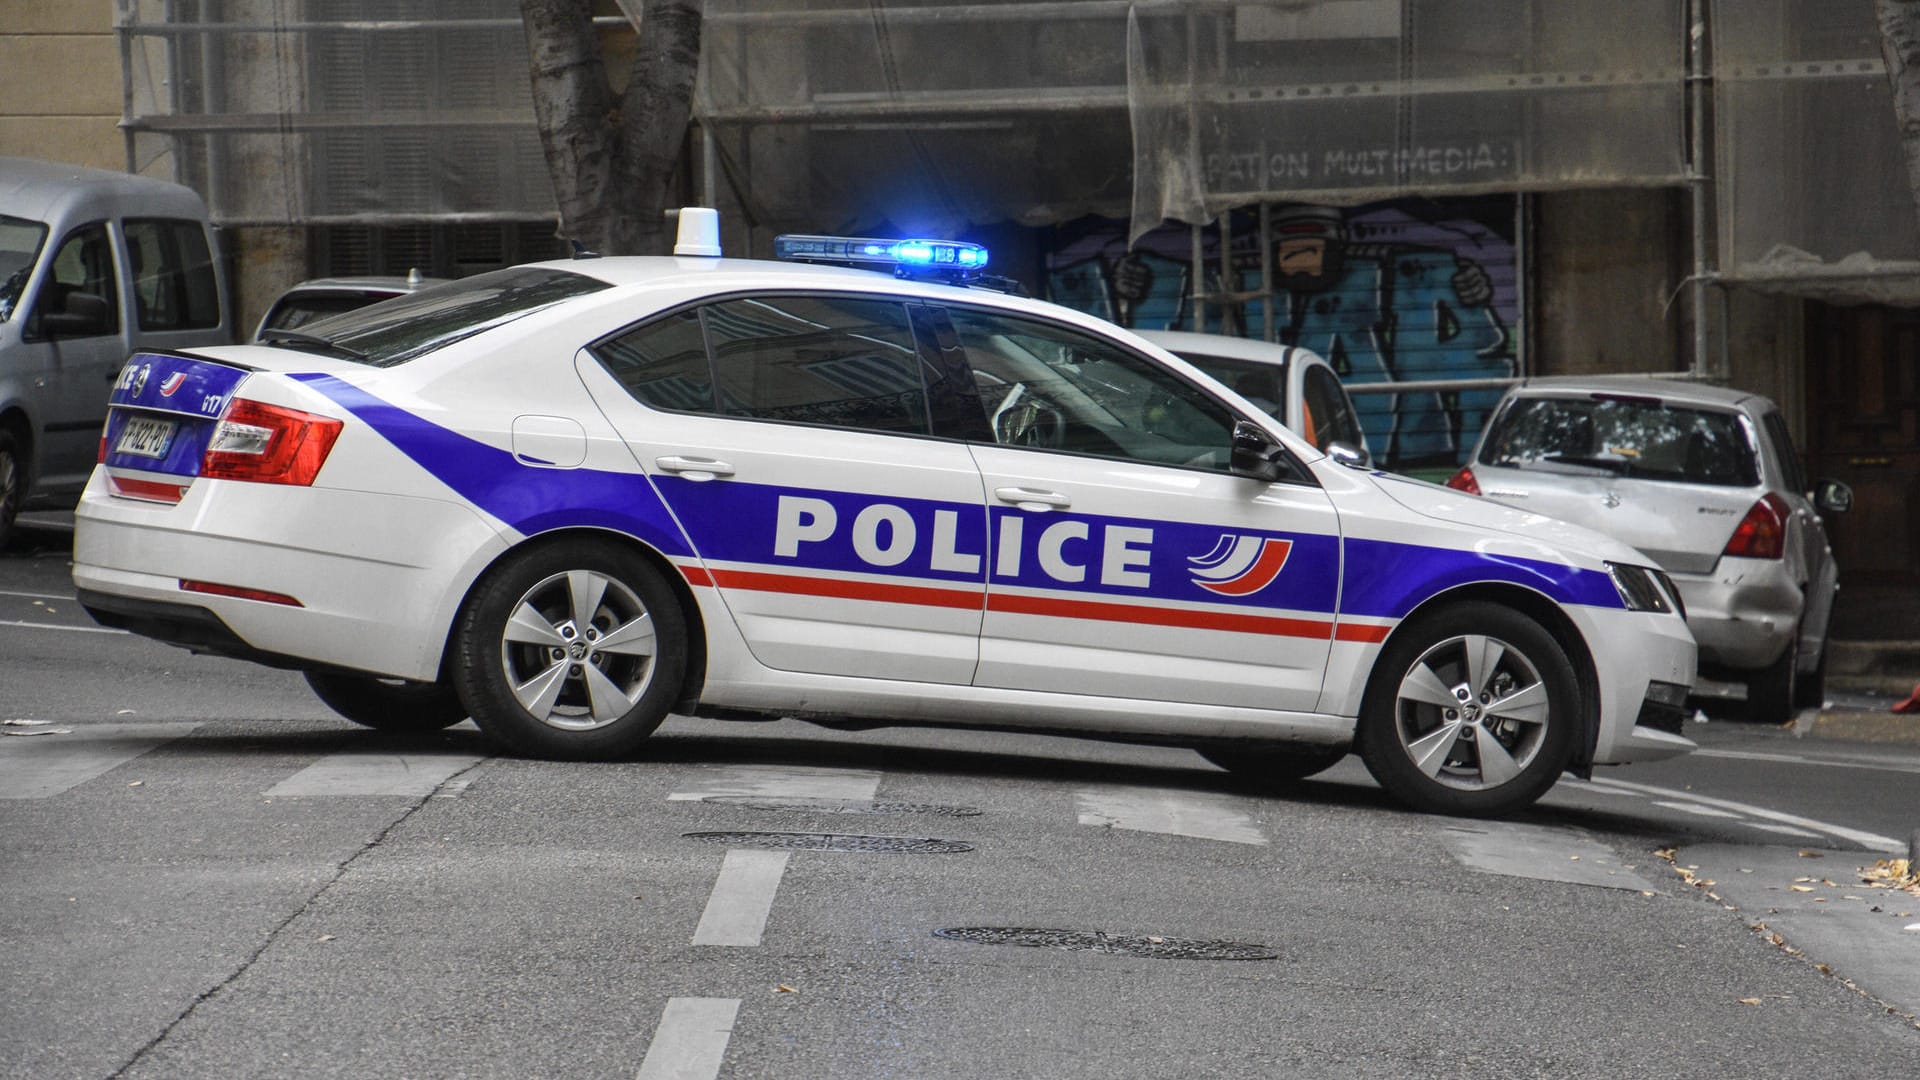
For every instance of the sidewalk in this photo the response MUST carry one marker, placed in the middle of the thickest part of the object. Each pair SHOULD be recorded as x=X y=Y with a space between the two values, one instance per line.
x=1865 y=679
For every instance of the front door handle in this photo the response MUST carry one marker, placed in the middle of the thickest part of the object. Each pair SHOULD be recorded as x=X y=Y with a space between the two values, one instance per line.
x=694 y=468
x=1035 y=499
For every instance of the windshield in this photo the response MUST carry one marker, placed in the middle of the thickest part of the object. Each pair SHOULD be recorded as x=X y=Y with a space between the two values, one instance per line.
x=1263 y=384
x=20 y=242
x=408 y=327
x=1641 y=438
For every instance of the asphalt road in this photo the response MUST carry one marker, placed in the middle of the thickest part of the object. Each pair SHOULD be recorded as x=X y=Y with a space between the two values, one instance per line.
x=205 y=874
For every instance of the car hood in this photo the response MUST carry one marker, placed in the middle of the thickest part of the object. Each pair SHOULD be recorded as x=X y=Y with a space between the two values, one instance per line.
x=1446 y=504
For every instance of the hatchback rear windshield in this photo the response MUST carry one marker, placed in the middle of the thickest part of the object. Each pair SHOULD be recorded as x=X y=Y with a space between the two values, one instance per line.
x=411 y=326
x=1641 y=438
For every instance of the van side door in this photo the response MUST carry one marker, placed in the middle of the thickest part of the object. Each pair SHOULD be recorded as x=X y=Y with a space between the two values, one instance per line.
x=72 y=339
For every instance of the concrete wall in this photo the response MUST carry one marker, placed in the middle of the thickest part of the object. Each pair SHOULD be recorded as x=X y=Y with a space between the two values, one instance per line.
x=60 y=82
x=1604 y=265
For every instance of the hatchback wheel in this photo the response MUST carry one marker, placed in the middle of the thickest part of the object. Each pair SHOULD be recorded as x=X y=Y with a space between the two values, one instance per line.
x=395 y=705
x=13 y=484
x=574 y=650
x=1773 y=692
x=1472 y=710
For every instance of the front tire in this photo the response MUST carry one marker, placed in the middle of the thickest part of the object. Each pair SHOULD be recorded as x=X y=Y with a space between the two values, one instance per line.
x=1472 y=710
x=573 y=650
x=393 y=705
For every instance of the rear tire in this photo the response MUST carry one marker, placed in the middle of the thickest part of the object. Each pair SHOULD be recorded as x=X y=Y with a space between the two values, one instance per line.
x=1773 y=691
x=573 y=650
x=1274 y=765
x=394 y=705
x=13 y=484
x=1811 y=691
x=1472 y=710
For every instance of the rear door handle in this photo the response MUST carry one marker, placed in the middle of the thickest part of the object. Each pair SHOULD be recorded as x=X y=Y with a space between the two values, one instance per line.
x=1027 y=498
x=694 y=468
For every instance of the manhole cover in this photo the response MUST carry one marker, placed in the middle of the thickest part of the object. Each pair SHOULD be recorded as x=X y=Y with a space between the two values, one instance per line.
x=1150 y=946
x=831 y=842
x=841 y=806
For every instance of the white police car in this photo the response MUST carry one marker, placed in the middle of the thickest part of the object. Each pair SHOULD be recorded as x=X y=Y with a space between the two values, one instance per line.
x=569 y=498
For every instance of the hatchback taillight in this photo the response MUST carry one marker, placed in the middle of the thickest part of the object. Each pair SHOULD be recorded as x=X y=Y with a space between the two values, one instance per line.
x=269 y=444
x=1762 y=534
x=1464 y=481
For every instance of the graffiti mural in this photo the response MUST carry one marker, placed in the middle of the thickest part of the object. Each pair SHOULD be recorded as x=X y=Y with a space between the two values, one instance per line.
x=1402 y=291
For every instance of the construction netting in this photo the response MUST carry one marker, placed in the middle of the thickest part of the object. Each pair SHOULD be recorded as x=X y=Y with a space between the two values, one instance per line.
x=932 y=116
x=1359 y=100
x=1814 y=197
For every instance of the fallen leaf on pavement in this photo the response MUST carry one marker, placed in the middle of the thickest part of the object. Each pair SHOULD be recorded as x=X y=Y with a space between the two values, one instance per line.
x=1811 y=855
x=1749 y=1001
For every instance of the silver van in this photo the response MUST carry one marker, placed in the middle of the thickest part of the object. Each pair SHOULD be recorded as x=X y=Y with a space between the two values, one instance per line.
x=94 y=265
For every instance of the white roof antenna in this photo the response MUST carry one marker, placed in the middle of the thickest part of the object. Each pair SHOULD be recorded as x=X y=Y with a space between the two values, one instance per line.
x=699 y=231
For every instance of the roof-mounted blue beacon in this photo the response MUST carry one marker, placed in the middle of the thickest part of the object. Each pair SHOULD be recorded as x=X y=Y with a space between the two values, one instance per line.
x=948 y=260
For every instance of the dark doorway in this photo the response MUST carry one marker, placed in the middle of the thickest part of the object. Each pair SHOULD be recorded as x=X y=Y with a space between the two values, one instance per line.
x=1863 y=415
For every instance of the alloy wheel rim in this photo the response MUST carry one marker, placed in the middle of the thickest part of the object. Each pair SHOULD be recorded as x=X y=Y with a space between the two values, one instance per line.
x=1472 y=712
x=578 y=650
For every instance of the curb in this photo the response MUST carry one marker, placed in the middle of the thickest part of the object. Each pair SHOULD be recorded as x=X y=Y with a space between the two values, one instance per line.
x=1859 y=725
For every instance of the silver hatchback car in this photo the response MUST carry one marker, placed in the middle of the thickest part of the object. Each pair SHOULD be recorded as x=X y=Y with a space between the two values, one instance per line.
x=1706 y=482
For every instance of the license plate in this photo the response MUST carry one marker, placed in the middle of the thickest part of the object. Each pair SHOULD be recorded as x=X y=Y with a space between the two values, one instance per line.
x=144 y=437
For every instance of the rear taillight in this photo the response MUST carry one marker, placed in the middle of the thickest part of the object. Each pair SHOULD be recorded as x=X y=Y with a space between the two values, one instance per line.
x=269 y=444
x=1464 y=481
x=1762 y=534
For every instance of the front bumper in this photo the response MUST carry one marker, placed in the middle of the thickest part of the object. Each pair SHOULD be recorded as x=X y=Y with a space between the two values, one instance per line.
x=1632 y=652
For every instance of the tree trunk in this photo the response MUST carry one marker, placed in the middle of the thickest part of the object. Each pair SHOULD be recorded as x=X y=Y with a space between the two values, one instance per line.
x=1900 y=42
x=614 y=160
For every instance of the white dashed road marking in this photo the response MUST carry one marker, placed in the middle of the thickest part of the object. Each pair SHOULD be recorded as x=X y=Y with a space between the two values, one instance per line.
x=691 y=1040
x=742 y=898
x=787 y=781
x=1180 y=813
x=416 y=775
x=50 y=764
x=1540 y=852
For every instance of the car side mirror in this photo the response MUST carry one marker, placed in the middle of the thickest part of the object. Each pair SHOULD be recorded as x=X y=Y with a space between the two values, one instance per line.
x=83 y=315
x=1832 y=497
x=1345 y=453
x=1255 y=453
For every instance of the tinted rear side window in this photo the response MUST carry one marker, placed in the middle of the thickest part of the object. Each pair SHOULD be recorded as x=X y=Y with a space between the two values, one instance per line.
x=842 y=361
x=1639 y=438
x=173 y=283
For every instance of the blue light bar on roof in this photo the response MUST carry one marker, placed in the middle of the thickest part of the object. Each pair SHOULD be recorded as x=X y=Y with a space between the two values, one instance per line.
x=906 y=258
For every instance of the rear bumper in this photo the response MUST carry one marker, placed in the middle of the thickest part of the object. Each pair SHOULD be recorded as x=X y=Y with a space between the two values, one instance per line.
x=377 y=577
x=1744 y=614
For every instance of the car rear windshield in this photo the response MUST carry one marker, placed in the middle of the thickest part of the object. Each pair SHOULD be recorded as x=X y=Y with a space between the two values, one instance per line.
x=412 y=326
x=1642 y=438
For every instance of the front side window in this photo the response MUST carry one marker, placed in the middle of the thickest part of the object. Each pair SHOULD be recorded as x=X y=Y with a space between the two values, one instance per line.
x=1054 y=388
x=1783 y=448
x=1640 y=438
x=20 y=242
x=174 y=287
x=78 y=298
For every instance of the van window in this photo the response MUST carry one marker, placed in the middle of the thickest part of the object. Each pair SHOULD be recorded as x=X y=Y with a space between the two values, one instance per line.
x=82 y=267
x=20 y=242
x=174 y=287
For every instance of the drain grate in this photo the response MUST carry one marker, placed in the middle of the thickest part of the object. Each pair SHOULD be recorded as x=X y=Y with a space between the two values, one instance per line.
x=1152 y=947
x=841 y=806
x=832 y=842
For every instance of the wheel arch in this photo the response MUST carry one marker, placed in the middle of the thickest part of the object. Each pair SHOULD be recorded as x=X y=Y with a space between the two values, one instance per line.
x=1541 y=609
x=694 y=679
